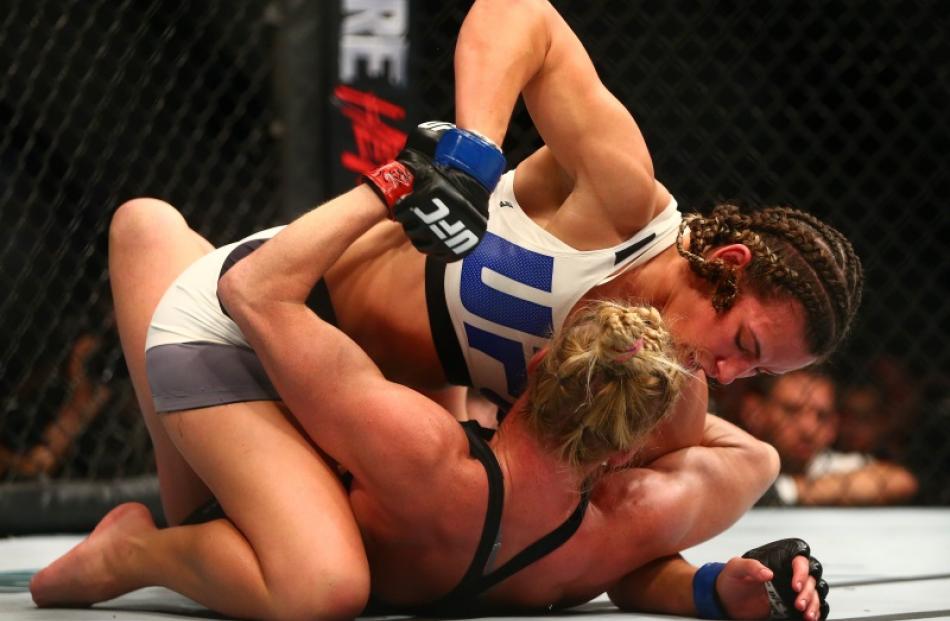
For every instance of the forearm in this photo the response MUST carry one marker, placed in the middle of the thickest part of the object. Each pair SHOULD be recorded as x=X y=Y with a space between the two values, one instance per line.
x=684 y=427
x=719 y=433
x=286 y=268
x=663 y=586
x=739 y=466
x=501 y=46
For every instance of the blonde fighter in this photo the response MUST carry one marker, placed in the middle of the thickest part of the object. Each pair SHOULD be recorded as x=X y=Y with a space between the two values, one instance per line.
x=605 y=382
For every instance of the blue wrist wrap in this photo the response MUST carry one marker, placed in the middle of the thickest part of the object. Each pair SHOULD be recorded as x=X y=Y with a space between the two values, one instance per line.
x=469 y=152
x=705 y=597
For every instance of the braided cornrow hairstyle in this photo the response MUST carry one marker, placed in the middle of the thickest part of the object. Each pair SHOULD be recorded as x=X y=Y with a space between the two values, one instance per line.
x=793 y=253
x=610 y=375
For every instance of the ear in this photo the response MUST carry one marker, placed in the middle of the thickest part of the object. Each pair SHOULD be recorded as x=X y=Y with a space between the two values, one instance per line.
x=736 y=255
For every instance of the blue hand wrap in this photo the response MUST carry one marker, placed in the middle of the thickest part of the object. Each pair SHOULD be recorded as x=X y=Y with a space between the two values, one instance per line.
x=470 y=153
x=705 y=597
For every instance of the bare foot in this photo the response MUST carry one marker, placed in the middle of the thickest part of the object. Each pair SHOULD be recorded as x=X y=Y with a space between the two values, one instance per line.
x=85 y=575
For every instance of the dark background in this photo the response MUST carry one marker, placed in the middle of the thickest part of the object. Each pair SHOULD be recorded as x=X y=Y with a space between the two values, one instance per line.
x=839 y=108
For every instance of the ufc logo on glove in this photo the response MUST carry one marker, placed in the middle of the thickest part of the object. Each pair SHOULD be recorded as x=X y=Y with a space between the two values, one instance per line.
x=455 y=235
x=438 y=188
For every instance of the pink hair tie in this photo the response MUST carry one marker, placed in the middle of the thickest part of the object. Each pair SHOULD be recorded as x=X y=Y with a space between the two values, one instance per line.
x=632 y=351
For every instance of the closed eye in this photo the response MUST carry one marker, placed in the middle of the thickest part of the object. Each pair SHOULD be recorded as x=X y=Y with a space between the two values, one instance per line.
x=740 y=345
x=752 y=349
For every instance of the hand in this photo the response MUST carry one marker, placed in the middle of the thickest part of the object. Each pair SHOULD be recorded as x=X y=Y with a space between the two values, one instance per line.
x=787 y=570
x=438 y=188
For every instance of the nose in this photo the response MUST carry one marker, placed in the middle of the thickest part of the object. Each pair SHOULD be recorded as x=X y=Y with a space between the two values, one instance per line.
x=809 y=421
x=730 y=369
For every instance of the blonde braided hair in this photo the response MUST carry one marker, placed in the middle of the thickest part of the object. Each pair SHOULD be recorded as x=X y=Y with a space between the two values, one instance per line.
x=609 y=377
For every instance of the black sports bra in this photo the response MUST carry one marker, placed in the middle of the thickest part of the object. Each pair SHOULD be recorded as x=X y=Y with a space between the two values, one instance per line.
x=464 y=597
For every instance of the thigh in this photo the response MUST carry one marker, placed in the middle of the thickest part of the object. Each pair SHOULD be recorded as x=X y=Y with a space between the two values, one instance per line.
x=276 y=488
x=150 y=244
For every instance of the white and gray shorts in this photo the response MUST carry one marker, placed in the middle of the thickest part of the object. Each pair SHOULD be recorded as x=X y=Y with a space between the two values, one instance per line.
x=195 y=355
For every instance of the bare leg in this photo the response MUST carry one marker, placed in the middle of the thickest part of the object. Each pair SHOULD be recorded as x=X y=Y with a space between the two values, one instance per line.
x=292 y=551
x=291 y=548
x=150 y=244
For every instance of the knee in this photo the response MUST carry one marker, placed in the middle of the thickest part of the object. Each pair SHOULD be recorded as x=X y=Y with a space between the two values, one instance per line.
x=343 y=601
x=138 y=219
x=336 y=598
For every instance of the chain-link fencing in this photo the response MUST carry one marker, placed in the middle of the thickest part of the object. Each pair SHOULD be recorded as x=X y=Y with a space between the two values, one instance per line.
x=837 y=107
x=100 y=102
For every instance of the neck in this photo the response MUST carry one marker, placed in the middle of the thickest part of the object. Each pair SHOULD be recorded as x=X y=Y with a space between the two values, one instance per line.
x=533 y=473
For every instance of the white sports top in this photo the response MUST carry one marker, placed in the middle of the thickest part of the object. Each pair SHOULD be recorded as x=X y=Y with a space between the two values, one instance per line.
x=504 y=298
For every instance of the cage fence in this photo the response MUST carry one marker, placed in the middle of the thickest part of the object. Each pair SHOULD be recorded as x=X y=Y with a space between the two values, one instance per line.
x=835 y=107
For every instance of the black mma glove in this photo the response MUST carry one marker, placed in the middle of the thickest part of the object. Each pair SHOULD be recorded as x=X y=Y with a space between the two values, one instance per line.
x=778 y=556
x=438 y=188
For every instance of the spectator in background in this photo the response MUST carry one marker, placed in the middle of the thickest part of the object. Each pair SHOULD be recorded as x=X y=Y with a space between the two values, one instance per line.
x=928 y=445
x=48 y=410
x=797 y=413
x=879 y=412
x=864 y=425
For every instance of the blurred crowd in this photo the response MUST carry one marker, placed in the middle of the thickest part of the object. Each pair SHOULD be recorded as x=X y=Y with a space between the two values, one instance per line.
x=880 y=439
x=876 y=437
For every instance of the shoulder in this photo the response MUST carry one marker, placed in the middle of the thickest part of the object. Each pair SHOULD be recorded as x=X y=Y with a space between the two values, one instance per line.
x=639 y=506
x=662 y=199
x=683 y=427
x=436 y=434
x=548 y=193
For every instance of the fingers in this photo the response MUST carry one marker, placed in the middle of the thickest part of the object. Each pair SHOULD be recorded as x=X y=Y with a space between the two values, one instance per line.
x=750 y=570
x=800 y=572
x=822 y=589
x=807 y=601
x=758 y=572
x=810 y=598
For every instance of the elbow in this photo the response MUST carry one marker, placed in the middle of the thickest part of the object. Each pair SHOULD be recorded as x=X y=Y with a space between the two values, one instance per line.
x=771 y=459
x=534 y=26
x=531 y=11
x=229 y=290
x=234 y=293
x=764 y=467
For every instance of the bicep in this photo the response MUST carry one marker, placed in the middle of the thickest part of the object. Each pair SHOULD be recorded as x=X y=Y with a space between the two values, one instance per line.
x=696 y=493
x=377 y=429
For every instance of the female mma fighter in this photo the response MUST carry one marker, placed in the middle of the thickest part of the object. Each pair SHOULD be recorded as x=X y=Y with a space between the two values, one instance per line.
x=582 y=218
x=799 y=279
x=547 y=520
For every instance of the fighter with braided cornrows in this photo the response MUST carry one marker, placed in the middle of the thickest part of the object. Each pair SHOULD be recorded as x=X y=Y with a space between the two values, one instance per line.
x=583 y=218
x=455 y=519
x=792 y=252
x=604 y=383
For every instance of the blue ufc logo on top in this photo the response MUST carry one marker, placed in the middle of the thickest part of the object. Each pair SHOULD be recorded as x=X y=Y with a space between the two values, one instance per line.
x=520 y=265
